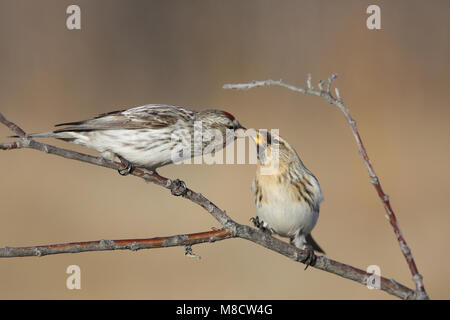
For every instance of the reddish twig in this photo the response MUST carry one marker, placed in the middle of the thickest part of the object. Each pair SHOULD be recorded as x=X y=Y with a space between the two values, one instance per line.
x=124 y=244
x=10 y=145
x=232 y=228
x=338 y=102
x=12 y=126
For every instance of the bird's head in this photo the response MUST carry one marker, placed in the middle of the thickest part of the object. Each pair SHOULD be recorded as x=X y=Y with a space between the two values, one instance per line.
x=219 y=120
x=272 y=150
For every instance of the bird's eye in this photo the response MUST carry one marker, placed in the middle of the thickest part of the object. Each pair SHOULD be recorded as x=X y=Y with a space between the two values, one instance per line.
x=231 y=127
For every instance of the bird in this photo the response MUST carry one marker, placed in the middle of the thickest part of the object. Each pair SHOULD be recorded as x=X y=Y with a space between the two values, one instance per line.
x=149 y=136
x=288 y=197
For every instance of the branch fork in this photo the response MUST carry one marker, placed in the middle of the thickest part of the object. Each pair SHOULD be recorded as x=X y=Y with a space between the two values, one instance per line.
x=231 y=229
x=375 y=181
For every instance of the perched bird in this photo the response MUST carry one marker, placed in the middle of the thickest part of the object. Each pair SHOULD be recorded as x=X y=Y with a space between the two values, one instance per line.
x=287 y=200
x=147 y=136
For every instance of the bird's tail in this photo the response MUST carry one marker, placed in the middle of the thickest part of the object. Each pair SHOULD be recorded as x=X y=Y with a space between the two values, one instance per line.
x=313 y=243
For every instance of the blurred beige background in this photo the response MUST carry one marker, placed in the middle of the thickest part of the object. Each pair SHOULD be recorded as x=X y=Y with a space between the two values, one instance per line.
x=395 y=81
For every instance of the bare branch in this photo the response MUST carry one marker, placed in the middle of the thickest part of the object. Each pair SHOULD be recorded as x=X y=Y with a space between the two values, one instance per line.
x=10 y=145
x=321 y=85
x=330 y=81
x=124 y=244
x=417 y=278
x=338 y=95
x=232 y=228
x=12 y=126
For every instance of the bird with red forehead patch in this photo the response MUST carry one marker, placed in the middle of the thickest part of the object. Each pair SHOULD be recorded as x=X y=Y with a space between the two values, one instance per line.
x=229 y=115
x=147 y=136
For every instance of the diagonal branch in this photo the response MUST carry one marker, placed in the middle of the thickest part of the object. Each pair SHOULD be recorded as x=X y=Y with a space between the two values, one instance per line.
x=12 y=126
x=338 y=102
x=233 y=229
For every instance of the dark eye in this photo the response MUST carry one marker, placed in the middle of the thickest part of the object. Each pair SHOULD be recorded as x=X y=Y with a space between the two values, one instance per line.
x=231 y=127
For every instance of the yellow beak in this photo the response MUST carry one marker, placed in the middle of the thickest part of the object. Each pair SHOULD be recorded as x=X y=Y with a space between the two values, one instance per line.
x=259 y=139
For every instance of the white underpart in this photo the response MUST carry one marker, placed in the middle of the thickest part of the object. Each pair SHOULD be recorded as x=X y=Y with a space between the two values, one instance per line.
x=285 y=215
x=142 y=147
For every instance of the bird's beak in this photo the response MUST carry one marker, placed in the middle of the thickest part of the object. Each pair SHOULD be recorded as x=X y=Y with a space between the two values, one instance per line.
x=257 y=138
x=239 y=126
x=240 y=131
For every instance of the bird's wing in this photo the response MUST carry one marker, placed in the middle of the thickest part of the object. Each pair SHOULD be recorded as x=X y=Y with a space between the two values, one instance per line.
x=149 y=116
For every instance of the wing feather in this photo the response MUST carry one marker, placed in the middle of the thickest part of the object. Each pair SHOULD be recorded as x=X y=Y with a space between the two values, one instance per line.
x=148 y=116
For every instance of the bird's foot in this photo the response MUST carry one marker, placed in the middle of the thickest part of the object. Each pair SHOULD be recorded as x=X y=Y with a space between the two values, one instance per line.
x=178 y=188
x=260 y=224
x=128 y=166
x=311 y=258
x=256 y=222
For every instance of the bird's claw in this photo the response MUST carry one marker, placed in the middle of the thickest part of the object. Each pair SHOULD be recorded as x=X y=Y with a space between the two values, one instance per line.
x=126 y=171
x=260 y=224
x=178 y=188
x=129 y=168
x=256 y=222
x=310 y=259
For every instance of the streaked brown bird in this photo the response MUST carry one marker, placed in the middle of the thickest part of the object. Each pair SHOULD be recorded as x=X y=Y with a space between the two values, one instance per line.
x=287 y=195
x=149 y=136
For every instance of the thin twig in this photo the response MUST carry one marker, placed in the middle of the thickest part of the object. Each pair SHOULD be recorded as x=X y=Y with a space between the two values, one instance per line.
x=12 y=126
x=123 y=244
x=233 y=229
x=338 y=102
